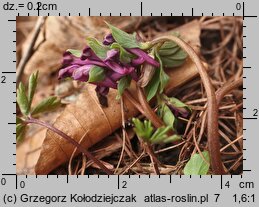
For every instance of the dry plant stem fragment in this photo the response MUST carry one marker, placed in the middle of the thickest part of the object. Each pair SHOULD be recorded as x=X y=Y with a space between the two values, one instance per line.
x=150 y=114
x=26 y=57
x=72 y=141
x=212 y=127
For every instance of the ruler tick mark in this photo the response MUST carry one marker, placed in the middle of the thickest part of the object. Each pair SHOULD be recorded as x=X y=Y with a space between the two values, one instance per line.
x=118 y=179
x=141 y=8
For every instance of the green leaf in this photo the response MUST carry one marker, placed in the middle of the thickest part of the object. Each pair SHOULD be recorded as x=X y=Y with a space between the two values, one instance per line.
x=169 y=45
x=171 y=54
x=123 y=84
x=164 y=78
x=197 y=165
x=153 y=85
x=47 y=104
x=143 y=129
x=171 y=63
x=168 y=51
x=99 y=49
x=20 y=132
x=19 y=120
x=123 y=38
x=160 y=135
x=22 y=100
x=166 y=114
x=179 y=55
x=125 y=57
x=32 y=87
x=172 y=138
x=76 y=53
x=96 y=74
x=177 y=103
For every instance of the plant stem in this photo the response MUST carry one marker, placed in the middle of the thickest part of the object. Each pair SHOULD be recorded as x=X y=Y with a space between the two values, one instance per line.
x=153 y=158
x=150 y=114
x=225 y=89
x=71 y=140
x=144 y=107
x=212 y=126
x=129 y=96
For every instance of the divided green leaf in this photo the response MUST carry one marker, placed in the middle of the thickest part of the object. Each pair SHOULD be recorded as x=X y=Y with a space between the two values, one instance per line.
x=32 y=87
x=22 y=100
x=160 y=135
x=76 y=53
x=172 y=138
x=144 y=129
x=47 y=104
x=99 y=49
x=96 y=74
x=197 y=165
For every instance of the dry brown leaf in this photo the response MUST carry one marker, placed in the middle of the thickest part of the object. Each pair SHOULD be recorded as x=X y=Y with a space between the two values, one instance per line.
x=27 y=153
x=86 y=116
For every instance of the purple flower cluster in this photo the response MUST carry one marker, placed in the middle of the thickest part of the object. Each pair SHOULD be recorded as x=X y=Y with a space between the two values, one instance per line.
x=78 y=68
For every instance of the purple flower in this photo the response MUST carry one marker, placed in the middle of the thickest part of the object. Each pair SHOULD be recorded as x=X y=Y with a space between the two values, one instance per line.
x=112 y=55
x=79 y=68
x=88 y=53
x=142 y=57
x=71 y=64
x=112 y=62
x=82 y=73
x=108 y=39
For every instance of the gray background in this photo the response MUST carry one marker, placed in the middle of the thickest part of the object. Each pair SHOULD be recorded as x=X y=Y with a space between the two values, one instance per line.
x=140 y=186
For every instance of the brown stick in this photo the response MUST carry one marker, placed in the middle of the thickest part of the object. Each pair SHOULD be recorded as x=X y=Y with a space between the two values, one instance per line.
x=149 y=113
x=212 y=127
x=28 y=52
x=72 y=141
x=144 y=107
x=153 y=158
x=225 y=89
x=129 y=96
